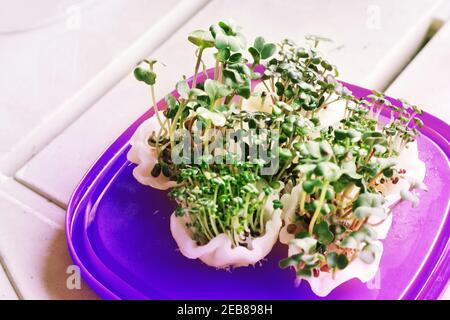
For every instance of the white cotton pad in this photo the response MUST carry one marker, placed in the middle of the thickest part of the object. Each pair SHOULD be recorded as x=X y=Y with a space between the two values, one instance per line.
x=142 y=154
x=325 y=282
x=408 y=160
x=254 y=103
x=333 y=113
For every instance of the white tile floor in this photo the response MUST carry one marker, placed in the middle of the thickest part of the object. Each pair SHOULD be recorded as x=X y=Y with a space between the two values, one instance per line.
x=6 y=290
x=426 y=80
x=32 y=245
x=44 y=67
x=374 y=40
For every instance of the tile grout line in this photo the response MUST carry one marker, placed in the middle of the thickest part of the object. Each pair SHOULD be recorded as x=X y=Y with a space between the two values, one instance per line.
x=3 y=265
x=42 y=217
x=41 y=193
x=95 y=88
x=10 y=278
x=389 y=68
x=433 y=29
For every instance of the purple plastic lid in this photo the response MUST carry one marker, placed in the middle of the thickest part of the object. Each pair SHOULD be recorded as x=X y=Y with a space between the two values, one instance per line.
x=118 y=234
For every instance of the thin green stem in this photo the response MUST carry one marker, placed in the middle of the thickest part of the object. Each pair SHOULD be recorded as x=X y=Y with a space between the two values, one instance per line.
x=197 y=66
x=319 y=207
